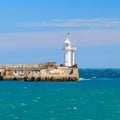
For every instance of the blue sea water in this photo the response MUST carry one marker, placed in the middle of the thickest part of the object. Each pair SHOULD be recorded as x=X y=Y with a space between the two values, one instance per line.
x=95 y=97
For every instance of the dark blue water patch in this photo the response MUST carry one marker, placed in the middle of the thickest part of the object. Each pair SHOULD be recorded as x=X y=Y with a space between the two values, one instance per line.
x=99 y=73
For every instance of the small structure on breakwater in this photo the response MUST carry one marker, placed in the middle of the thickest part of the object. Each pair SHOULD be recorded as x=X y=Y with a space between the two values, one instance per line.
x=49 y=71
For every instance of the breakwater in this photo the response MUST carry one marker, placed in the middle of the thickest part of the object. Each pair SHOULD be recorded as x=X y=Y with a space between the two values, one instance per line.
x=38 y=72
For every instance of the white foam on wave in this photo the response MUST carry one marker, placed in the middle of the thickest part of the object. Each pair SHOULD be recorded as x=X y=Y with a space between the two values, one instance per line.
x=35 y=100
x=38 y=98
x=13 y=107
x=15 y=118
x=22 y=104
x=81 y=79
x=25 y=111
x=94 y=77
x=25 y=87
x=75 y=108
x=51 y=111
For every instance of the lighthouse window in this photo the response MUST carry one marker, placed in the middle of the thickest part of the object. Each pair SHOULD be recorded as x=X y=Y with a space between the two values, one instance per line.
x=66 y=44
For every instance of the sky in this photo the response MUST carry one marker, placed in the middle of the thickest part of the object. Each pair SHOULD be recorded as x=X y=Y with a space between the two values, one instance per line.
x=33 y=31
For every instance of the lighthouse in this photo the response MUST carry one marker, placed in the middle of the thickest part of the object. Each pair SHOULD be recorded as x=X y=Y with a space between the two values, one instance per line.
x=69 y=52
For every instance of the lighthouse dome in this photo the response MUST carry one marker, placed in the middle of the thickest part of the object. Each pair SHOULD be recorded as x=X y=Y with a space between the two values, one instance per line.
x=67 y=41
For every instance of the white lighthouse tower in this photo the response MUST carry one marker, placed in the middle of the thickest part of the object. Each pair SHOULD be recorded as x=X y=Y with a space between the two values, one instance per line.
x=73 y=49
x=69 y=51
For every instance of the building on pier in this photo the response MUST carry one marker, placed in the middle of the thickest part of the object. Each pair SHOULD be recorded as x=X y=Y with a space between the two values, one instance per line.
x=69 y=52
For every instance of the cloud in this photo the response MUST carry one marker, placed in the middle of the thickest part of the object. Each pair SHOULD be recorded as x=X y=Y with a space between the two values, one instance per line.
x=29 y=40
x=90 y=32
x=95 y=23
x=55 y=39
x=96 y=37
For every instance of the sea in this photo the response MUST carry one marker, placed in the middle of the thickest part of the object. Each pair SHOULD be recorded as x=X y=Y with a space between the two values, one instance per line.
x=95 y=97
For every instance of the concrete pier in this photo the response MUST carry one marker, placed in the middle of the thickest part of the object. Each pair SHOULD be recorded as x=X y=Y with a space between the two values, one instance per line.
x=39 y=72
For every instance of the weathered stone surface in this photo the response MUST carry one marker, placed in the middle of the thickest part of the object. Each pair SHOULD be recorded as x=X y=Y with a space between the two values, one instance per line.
x=38 y=72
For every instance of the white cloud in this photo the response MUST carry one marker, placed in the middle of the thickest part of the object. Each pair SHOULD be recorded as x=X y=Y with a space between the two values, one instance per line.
x=29 y=40
x=95 y=23
x=96 y=37
x=55 y=39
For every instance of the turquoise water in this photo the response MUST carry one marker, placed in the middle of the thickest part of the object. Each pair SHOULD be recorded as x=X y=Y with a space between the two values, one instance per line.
x=95 y=97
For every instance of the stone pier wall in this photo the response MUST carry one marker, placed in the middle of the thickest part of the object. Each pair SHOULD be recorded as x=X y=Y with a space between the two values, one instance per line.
x=38 y=72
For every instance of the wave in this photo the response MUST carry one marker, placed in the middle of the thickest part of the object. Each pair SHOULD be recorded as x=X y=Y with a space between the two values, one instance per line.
x=97 y=79
x=81 y=79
